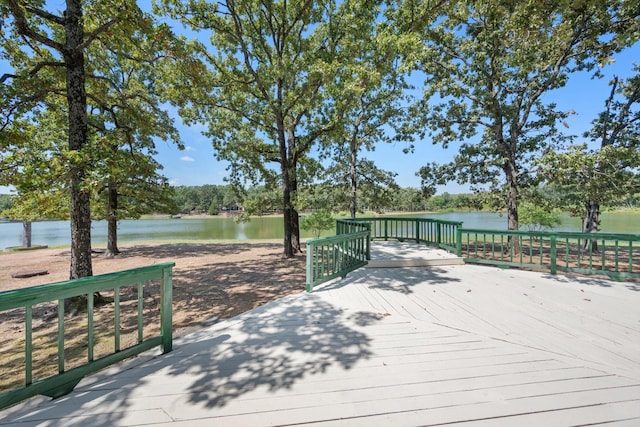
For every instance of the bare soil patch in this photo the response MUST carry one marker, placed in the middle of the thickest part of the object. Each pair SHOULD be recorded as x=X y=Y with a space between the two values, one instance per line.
x=210 y=279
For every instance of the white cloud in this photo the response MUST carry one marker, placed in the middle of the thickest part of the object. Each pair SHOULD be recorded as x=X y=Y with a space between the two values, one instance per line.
x=187 y=159
x=189 y=148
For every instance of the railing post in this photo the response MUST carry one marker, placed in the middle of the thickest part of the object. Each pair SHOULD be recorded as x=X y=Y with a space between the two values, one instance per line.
x=369 y=244
x=417 y=220
x=386 y=235
x=166 y=317
x=309 y=279
x=553 y=254
x=438 y=234
x=459 y=242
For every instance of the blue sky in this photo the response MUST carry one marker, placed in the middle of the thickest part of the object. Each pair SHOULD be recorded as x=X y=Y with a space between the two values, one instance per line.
x=196 y=165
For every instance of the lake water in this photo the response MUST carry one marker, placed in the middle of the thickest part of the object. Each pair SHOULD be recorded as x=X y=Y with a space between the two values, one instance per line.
x=54 y=233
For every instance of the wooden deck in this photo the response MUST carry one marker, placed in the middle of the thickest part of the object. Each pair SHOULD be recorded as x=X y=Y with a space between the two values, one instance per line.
x=445 y=345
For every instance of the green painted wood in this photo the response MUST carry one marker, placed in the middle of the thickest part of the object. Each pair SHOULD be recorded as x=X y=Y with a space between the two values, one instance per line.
x=166 y=311
x=336 y=256
x=116 y=320
x=487 y=247
x=140 y=311
x=28 y=345
x=67 y=289
x=90 y=331
x=60 y=336
x=64 y=382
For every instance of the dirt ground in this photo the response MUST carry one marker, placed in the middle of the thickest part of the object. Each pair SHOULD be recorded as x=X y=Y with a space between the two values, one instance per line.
x=211 y=280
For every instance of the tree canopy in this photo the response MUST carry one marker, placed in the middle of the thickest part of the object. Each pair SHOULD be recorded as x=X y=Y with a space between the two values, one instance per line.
x=607 y=172
x=488 y=66
x=278 y=77
x=87 y=74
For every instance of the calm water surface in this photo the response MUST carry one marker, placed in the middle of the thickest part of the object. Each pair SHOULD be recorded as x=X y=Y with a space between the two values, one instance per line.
x=57 y=232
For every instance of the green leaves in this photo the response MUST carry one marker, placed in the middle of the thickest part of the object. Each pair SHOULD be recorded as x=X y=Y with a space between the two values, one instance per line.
x=609 y=173
x=488 y=66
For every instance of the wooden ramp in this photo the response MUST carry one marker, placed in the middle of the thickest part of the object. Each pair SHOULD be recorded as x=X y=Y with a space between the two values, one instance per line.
x=456 y=345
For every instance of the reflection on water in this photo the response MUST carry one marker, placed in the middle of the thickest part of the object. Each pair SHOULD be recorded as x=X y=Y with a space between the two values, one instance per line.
x=221 y=228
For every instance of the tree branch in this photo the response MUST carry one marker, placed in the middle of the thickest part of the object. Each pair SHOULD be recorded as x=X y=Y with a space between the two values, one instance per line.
x=26 y=30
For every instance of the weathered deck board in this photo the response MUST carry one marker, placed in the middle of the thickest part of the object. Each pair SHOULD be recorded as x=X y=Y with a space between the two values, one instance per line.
x=459 y=345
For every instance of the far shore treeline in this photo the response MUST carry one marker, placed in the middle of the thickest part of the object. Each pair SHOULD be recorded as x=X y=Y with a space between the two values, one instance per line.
x=223 y=199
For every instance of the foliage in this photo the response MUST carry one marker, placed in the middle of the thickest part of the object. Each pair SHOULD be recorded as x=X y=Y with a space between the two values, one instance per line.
x=88 y=75
x=488 y=66
x=607 y=174
x=6 y=200
x=277 y=77
x=583 y=174
x=318 y=221
x=377 y=114
x=458 y=202
x=536 y=218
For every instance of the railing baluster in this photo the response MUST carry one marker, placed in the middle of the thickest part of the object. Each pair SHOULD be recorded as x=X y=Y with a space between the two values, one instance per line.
x=116 y=315
x=28 y=345
x=60 y=383
x=60 y=336
x=140 y=311
x=90 y=335
x=553 y=254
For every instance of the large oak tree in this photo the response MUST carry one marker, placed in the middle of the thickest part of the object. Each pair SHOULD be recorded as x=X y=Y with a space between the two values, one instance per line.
x=94 y=66
x=278 y=76
x=489 y=66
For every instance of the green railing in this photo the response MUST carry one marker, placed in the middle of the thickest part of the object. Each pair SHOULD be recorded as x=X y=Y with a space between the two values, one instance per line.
x=334 y=256
x=614 y=255
x=48 y=302
x=439 y=233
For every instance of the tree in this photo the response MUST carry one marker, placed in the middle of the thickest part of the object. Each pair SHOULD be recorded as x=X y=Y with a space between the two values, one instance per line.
x=125 y=95
x=50 y=63
x=102 y=60
x=536 y=217
x=488 y=67
x=29 y=164
x=278 y=78
x=6 y=200
x=608 y=173
x=377 y=113
x=318 y=221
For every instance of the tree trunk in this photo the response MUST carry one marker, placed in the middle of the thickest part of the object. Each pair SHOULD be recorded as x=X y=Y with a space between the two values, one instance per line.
x=590 y=224
x=26 y=234
x=512 y=207
x=353 y=203
x=78 y=136
x=295 y=218
x=287 y=213
x=112 y=221
x=287 y=209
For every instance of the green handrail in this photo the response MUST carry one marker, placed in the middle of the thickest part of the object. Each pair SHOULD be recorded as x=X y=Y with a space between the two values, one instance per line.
x=66 y=380
x=614 y=255
x=436 y=232
x=333 y=256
